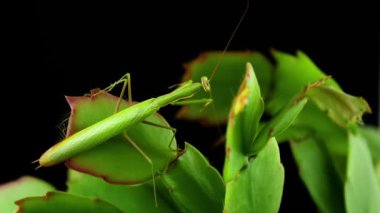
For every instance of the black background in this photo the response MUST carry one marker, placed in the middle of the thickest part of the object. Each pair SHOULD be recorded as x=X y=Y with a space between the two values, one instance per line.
x=66 y=48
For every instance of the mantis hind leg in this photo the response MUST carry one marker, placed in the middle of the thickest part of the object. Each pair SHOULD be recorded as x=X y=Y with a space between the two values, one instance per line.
x=147 y=158
x=126 y=80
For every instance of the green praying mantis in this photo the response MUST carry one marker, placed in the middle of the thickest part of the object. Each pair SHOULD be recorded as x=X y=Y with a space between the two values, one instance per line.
x=121 y=121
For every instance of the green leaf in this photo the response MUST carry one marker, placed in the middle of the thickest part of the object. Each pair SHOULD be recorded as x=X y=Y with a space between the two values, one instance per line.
x=194 y=184
x=362 y=191
x=284 y=118
x=225 y=83
x=258 y=188
x=342 y=108
x=278 y=124
x=126 y=198
x=243 y=123
x=117 y=161
x=317 y=172
x=293 y=73
x=63 y=202
x=23 y=187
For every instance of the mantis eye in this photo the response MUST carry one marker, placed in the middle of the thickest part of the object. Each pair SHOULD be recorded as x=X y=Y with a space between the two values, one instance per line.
x=205 y=83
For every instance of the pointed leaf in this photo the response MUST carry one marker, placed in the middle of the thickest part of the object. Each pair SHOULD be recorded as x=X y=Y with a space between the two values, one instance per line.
x=243 y=123
x=362 y=191
x=318 y=174
x=117 y=160
x=63 y=202
x=258 y=188
x=225 y=83
x=23 y=187
x=277 y=125
x=194 y=184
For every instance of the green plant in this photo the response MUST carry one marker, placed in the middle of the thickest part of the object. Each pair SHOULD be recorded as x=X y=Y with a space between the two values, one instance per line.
x=339 y=160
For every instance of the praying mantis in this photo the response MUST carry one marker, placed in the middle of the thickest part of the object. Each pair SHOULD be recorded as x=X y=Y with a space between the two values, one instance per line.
x=121 y=121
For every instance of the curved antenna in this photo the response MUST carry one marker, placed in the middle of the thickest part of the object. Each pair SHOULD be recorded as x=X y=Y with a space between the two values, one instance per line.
x=229 y=41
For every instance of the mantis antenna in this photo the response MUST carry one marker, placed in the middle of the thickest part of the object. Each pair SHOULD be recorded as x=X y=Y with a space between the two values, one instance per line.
x=227 y=45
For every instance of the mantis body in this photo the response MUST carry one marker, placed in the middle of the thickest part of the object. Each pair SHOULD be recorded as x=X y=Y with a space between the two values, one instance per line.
x=119 y=122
